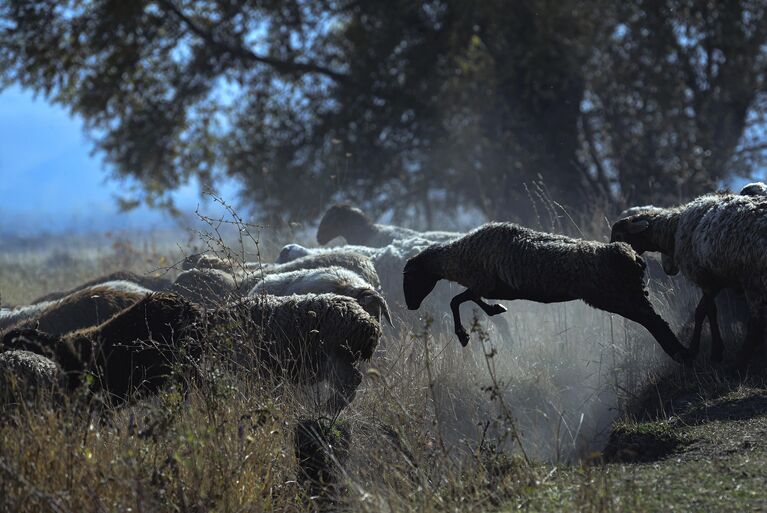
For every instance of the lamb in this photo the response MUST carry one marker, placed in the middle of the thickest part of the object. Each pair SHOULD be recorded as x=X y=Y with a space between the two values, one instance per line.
x=28 y=377
x=336 y=280
x=718 y=241
x=357 y=228
x=507 y=261
x=352 y=260
x=310 y=338
x=133 y=351
x=87 y=307
x=206 y=287
x=153 y=283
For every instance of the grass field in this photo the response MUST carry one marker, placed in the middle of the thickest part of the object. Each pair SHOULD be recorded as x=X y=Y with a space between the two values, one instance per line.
x=580 y=411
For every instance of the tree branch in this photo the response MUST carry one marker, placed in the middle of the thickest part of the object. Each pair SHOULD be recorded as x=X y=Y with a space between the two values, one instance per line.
x=238 y=50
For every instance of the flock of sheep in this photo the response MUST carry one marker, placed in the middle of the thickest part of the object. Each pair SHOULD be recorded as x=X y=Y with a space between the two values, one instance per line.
x=317 y=313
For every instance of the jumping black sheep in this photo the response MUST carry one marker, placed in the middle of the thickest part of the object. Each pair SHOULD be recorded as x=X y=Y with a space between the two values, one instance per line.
x=507 y=261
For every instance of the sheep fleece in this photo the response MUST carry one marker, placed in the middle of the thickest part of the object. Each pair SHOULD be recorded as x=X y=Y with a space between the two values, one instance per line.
x=543 y=266
x=725 y=236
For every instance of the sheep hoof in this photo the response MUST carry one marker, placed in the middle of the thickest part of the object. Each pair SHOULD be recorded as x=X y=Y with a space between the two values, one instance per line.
x=684 y=356
x=496 y=309
x=463 y=337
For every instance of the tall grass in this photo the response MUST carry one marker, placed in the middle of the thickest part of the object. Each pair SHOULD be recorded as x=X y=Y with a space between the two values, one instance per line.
x=434 y=427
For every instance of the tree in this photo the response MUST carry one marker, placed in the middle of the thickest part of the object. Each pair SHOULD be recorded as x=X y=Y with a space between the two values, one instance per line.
x=412 y=106
x=677 y=97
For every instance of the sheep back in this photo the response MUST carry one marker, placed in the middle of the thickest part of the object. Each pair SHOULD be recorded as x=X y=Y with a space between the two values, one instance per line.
x=87 y=307
x=306 y=330
x=207 y=287
x=721 y=241
x=153 y=283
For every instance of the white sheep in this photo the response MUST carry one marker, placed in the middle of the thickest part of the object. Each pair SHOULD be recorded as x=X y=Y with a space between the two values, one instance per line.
x=335 y=280
x=339 y=257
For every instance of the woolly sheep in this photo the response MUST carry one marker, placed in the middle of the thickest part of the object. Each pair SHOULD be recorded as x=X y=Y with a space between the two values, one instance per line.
x=351 y=260
x=13 y=316
x=336 y=280
x=206 y=287
x=719 y=241
x=291 y=252
x=669 y=267
x=134 y=350
x=507 y=261
x=310 y=338
x=87 y=307
x=152 y=283
x=357 y=228
x=28 y=377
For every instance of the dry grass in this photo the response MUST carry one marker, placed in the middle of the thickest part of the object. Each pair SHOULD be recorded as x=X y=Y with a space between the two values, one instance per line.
x=497 y=425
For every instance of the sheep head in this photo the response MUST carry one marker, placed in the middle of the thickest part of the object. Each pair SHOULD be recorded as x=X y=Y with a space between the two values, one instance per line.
x=634 y=230
x=375 y=304
x=754 y=189
x=346 y=221
x=418 y=282
x=291 y=252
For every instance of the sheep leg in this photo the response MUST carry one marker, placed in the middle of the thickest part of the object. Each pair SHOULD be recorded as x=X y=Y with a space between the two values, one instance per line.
x=754 y=335
x=346 y=379
x=489 y=309
x=455 y=304
x=701 y=311
x=717 y=344
x=654 y=323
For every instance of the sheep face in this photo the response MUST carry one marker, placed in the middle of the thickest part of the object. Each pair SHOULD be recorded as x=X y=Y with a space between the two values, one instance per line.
x=290 y=252
x=341 y=220
x=417 y=283
x=375 y=304
x=634 y=231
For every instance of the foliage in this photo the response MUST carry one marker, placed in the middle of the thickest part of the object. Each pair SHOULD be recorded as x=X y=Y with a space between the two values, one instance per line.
x=409 y=106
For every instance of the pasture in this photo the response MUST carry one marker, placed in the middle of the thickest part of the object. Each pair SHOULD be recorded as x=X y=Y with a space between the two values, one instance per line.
x=579 y=411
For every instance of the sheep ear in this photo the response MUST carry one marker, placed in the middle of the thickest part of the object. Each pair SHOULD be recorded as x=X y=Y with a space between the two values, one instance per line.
x=638 y=226
x=369 y=299
x=386 y=312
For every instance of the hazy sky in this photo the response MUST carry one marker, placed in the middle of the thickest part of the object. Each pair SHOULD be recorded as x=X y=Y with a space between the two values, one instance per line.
x=50 y=180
